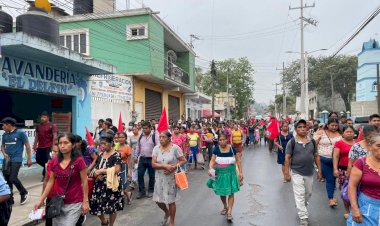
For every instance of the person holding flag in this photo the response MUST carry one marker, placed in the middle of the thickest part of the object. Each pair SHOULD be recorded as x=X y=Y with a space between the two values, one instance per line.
x=281 y=141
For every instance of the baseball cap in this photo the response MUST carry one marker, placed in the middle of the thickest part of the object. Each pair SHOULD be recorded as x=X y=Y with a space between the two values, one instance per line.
x=300 y=121
x=9 y=120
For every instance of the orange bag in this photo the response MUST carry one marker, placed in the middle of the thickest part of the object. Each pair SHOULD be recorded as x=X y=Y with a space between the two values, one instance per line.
x=181 y=179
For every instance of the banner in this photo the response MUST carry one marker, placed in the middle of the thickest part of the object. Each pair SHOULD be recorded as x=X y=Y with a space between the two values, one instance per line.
x=31 y=134
x=111 y=88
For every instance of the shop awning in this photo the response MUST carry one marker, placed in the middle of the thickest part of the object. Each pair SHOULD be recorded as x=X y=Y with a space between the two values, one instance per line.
x=25 y=46
x=207 y=114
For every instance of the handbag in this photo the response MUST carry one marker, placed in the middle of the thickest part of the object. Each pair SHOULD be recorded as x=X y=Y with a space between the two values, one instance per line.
x=6 y=166
x=181 y=179
x=54 y=207
x=344 y=191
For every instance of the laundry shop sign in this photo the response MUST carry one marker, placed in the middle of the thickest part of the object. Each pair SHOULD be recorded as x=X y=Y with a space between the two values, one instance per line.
x=24 y=74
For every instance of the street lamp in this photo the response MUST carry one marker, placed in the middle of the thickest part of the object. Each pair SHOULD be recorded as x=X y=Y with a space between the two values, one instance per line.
x=304 y=77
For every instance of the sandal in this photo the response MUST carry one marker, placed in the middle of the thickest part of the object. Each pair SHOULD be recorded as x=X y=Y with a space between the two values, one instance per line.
x=332 y=203
x=165 y=221
x=223 y=212
x=229 y=217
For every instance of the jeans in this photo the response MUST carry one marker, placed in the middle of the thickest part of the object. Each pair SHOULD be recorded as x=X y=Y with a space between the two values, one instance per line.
x=302 y=189
x=328 y=174
x=12 y=178
x=194 y=151
x=145 y=164
x=42 y=157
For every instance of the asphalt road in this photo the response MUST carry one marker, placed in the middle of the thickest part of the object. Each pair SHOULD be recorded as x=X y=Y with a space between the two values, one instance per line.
x=263 y=200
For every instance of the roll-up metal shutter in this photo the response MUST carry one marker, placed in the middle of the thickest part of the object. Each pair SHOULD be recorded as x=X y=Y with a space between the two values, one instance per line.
x=153 y=104
x=174 y=108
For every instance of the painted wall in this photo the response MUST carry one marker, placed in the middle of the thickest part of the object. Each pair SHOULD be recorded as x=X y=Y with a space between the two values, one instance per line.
x=25 y=74
x=139 y=94
x=109 y=43
x=366 y=72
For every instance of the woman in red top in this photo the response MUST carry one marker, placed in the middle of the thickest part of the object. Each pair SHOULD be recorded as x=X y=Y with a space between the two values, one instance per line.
x=76 y=200
x=54 y=153
x=365 y=206
x=340 y=159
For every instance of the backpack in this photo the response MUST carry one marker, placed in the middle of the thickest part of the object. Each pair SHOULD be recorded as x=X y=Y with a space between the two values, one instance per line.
x=153 y=139
x=293 y=143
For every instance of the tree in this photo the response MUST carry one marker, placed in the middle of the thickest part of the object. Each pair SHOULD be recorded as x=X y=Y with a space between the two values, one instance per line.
x=290 y=104
x=343 y=71
x=240 y=76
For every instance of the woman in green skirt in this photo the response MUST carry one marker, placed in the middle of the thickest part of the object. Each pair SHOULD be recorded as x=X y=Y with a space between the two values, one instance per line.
x=226 y=178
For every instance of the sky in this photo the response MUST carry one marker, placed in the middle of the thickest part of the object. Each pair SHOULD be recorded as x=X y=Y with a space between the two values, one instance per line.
x=261 y=30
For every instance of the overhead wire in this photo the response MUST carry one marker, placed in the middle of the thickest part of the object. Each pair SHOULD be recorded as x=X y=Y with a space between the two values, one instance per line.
x=358 y=30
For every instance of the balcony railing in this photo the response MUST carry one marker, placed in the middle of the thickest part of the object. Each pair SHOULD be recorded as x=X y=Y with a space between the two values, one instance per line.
x=176 y=73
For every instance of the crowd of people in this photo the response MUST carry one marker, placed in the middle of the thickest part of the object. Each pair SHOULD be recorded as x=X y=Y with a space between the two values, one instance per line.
x=99 y=174
x=340 y=154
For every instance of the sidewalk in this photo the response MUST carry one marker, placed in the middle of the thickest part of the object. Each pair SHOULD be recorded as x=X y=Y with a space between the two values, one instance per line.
x=31 y=179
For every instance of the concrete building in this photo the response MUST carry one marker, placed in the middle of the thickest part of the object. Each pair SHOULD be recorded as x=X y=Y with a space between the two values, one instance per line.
x=366 y=85
x=39 y=75
x=142 y=46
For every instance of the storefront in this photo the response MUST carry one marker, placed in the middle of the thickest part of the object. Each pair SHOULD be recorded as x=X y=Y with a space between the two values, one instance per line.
x=194 y=104
x=111 y=95
x=37 y=76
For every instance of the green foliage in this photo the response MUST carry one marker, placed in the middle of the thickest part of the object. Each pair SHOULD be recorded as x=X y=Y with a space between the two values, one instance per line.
x=240 y=77
x=320 y=69
x=290 y=104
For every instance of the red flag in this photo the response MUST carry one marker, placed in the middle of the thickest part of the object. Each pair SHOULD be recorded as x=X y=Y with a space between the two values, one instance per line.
x=89 y=138
x=360 y=136
x=120 y=125
x=273 y=129
x=163 y=123
x=262 y=123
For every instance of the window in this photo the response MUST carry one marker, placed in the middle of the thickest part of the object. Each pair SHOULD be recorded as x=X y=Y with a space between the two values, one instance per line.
x=75 y=40
x=137 y=31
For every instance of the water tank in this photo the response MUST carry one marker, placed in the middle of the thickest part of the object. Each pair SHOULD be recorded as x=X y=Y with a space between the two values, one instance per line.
x=6 y=22
x=38 y=23
x=83 y=7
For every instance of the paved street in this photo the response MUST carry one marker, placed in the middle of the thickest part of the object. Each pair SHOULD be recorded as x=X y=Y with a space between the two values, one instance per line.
x=263 y=200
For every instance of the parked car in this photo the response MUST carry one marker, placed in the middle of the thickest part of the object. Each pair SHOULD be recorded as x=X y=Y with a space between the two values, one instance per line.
x=360 y=121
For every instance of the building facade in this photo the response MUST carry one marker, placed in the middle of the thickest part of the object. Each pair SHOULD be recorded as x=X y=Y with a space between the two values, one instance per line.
x=366 y=85
x=368 y=59
x=142 y=46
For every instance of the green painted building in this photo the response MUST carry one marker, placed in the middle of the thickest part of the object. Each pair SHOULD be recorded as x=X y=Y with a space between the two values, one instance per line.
x=142 y=46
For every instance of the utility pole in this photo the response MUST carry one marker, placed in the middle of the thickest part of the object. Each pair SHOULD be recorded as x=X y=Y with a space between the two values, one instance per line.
x=228 y=95
x=275 y=105
x=377 y=87
x=213 y=76
x=332 y=92
x=302 y=74
x=283 y=90
x=192 y=38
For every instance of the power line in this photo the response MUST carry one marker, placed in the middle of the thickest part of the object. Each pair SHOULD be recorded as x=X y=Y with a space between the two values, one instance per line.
x=361 y=27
